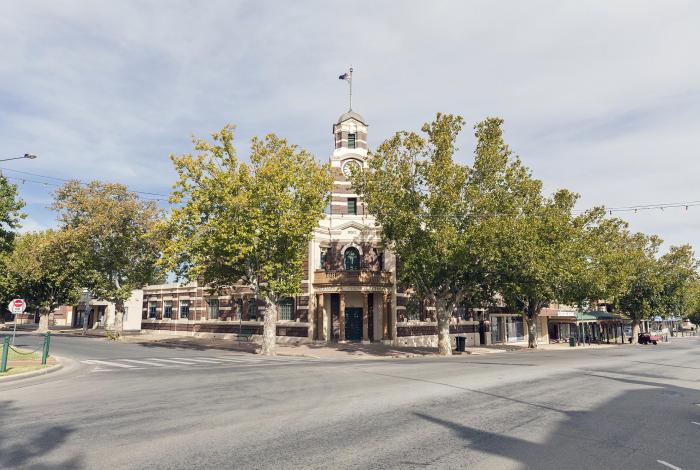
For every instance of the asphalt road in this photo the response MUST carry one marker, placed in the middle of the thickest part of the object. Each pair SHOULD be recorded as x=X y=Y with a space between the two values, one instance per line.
x=628 y=407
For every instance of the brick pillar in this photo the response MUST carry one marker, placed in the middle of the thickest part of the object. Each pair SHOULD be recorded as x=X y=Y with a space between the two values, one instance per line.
x=341 y=318
x=365 y=318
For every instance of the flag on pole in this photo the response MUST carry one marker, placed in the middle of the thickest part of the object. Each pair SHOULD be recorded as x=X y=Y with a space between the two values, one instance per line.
x=346 y=76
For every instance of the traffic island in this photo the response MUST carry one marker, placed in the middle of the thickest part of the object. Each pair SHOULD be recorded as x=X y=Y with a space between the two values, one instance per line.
x=18 y=361
x=22 y=361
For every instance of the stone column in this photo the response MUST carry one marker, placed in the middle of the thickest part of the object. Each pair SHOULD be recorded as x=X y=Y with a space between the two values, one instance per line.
x=318 y=318
x=365 y=318
x=311 y=316
x=341 y=318
x=385 y=317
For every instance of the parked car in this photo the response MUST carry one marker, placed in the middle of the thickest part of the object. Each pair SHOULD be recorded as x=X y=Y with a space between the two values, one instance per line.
x=646 y=338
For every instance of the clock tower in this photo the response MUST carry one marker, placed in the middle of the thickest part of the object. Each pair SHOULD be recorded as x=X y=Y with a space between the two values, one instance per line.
x=350 y=138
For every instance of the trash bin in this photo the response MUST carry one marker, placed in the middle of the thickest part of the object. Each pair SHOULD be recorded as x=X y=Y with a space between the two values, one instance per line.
x=461 y=343
x=572 y=341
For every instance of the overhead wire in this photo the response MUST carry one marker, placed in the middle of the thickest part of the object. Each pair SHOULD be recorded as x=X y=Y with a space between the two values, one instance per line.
x=159 y=196
x=56 y=178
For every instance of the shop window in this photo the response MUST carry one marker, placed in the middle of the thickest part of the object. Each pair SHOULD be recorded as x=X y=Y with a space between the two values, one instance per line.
x=352 y=259
x=253 y=309
x=413 y=309
x=184 y=309
x=286 y=309
x=238 y=314
x=213 y=309
x=168 y=309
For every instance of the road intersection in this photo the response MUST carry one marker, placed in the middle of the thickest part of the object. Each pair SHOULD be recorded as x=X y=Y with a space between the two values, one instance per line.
x=624 y=407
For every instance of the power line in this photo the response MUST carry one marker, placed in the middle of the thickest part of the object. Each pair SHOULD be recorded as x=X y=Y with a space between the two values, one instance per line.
x=159 y=196
x=46 y=183
x=66 y=180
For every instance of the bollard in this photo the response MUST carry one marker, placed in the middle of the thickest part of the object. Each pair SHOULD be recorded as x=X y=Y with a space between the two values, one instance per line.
x=45 y=352
x=5 y=351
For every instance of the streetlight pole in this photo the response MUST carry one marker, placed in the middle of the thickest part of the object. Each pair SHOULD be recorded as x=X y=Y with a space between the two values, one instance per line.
x=28 y=156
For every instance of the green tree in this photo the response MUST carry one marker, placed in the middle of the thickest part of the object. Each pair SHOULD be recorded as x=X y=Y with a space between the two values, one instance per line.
x=46 y=269
x=679 y=273
x=10 y=218
x=693 y=302
x=118 y=233
x=246 y=223
x=418 y=194
x=641 y=283
x=10 y=213
x=545 y=256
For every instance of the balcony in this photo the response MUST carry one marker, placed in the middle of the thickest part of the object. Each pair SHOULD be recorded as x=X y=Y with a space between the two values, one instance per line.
x=352 y=278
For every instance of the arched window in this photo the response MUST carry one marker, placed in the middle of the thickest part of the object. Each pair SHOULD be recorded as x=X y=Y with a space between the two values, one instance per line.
x=352 y=259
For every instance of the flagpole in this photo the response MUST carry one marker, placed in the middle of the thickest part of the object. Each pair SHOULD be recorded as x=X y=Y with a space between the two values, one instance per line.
x=350 y=88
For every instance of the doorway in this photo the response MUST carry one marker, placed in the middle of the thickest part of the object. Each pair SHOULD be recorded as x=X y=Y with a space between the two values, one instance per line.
x=353 y=324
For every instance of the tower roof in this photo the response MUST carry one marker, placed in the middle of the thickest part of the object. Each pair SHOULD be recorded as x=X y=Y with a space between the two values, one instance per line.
x=351 y=115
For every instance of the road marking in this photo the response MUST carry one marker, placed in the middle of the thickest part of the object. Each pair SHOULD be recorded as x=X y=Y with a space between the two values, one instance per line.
x=669 y=465
x=209 y=361
x=144 y=362
x=231 y=359
x=108 y=363
x=695 y=422
x=170 y=360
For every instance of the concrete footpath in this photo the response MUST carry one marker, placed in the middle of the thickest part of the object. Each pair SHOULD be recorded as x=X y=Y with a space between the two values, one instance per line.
x=341 y=351
x=332 y=351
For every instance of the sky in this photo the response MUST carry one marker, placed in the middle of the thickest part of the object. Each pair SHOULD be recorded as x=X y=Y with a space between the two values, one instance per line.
x=599 y=97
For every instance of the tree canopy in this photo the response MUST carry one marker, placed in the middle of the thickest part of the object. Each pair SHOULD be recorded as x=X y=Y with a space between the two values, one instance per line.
x=117 y=232
x=246 y=223
x=47 y=269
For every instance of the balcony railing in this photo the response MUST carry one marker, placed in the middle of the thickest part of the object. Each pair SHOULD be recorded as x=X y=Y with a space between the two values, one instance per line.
x=361 y=277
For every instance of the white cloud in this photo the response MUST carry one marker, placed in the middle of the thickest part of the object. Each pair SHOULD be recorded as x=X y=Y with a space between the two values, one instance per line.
x=599 y=97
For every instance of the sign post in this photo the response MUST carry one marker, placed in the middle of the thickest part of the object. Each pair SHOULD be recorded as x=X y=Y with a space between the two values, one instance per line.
x=16 y=307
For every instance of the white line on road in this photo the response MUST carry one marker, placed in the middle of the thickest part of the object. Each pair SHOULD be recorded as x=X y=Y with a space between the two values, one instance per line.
x=170 y=360
x=108 y=363
x=209 y=361
x=669 y=465
x=695 y=422
x=148 y=363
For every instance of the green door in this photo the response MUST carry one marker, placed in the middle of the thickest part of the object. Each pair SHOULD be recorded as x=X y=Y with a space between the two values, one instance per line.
x=353 y=324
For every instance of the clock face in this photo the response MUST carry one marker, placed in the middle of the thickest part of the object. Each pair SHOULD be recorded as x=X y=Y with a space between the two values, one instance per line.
x=350 y=165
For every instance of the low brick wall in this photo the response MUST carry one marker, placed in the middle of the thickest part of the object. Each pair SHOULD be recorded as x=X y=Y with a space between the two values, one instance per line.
x=286 y=333
x=424 y=334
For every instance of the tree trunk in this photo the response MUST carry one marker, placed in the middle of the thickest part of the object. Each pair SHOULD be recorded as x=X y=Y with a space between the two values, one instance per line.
x=444 y=313
x=119 y=319
x=269 y=340
x=43 y=322
x=531 y=320
x=86 y=317
x=531 y=323
x=635 y=330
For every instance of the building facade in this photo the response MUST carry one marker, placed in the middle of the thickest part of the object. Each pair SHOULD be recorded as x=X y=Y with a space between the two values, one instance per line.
x=349 y=291
x=102 y=314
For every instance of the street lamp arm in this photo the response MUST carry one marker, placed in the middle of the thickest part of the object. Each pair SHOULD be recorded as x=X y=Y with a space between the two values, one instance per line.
x=28 y=156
